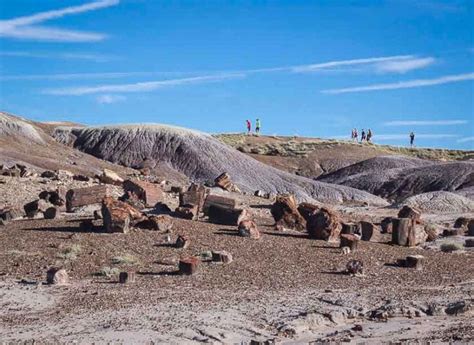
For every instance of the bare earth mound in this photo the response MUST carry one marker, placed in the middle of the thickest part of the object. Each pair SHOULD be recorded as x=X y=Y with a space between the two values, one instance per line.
x=200 y=157
x=25 y=142
x=392 y=177
x=440 y=202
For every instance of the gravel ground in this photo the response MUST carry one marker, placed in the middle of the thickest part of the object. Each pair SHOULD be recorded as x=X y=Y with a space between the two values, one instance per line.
x=284 y=286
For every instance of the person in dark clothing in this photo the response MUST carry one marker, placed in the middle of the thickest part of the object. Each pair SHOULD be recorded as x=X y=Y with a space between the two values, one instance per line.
x=362 y=136
x=257 y=126
x=369 y=135
x=412 y=139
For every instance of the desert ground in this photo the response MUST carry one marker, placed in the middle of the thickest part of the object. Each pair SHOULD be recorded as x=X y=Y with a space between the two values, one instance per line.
x=286 y=287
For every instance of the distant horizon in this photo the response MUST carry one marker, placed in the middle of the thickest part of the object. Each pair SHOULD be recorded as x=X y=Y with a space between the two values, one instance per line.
x=312 y=69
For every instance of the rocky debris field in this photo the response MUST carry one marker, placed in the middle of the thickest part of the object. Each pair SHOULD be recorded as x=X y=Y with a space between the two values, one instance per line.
x=231 y=268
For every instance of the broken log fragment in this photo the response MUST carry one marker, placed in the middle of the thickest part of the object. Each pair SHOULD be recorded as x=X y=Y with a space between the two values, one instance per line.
x=415 y=261
x=187 y=212
x=405 y=232
x=307 y=210
x=386 y=225
x=126 y=277
x=182 y=242
x=188 y=265
x=286 y=215
x=147 y=192
x=350 y=228
x=57 y=276
x=349 y=240
x=118 y=214
x=78 y=197
x=222 y=256
x=248 y=228
x=110 y=177
x=324 y=225
x=34 y=207
x=410 y=212
x=370 y=232
x=194 y=196
x=224 y=181
x=355 y=267
x=51 y=213
x=220 y=201
x=225 y=216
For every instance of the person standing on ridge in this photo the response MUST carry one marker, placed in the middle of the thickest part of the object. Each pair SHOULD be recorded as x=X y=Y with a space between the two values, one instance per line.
x=412 y=139
x=249 y=127
x=369 y=135
x=356 y=135
x=362 y=137
x=257 y=126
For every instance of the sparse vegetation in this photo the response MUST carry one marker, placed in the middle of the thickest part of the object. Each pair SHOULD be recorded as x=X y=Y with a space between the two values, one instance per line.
x=70 y=253
x=108 y=272
x=450 y=247
x=126 y=259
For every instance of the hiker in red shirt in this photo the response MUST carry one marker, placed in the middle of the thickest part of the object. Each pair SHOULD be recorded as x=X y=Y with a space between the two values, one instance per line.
x=249 y=127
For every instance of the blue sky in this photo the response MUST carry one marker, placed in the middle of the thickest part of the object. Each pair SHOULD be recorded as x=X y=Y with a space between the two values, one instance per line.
x=308 y=68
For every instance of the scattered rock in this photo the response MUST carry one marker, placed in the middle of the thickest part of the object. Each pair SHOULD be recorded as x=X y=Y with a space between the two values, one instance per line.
x=35 y=207
x=432 y=231
x=49 y=174
x=453 y=232
x=110 y=177
x=469 y=243
x=220 y=201
x=261 y=194
x=182 y=242
x=456 y=308
x=324 y=225
x=412 y=261
x=51 y=213
x=126 y=277
x=189 y=265
x=147 y=192
x=81 y=178
x=410 y=212
x=222 y=256
x=285 y=212
x=56 y=198
x=97 y=215
x=57 y=276
x=248 y=228
x=77 y=197
x=226 y=216
x=187 y=212
x=11 y=213
x=117 y=215
x=370 y=232
x=349 y=240
x=307 y=210
x=405 y=232
x=462 y=222
x=355 y=267
x=350 y=228
x=386 y=225
x=224 y=181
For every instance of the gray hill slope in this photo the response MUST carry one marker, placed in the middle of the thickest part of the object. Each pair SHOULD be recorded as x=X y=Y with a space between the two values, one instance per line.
x=200 y=157
x=400 y=177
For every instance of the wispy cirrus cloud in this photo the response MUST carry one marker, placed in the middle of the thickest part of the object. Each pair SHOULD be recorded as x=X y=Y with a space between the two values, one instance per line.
x=109 y=99
x=465 y=139
x=404 y=66
x=141 y=86
x=26 y=27
x=425 y=123
x=386 y=64
x=58 y=56
x=404 y=84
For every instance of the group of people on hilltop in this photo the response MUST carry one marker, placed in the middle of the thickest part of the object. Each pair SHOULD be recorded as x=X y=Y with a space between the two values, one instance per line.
x=364 y=136
x=257 y=126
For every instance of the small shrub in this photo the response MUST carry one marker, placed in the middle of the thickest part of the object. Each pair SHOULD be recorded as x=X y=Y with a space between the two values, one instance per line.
x=108 y=272
x=125 y=259
x=450 y=247
x=70 y=253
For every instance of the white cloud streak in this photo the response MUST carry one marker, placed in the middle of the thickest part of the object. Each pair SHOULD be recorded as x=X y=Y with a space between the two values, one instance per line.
x=425 y=123
x=465 y=139
x=404 y=84
x=140 y=87
x=109 y=99
x=26 y=28
x=404 y=66
x=58 y=56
